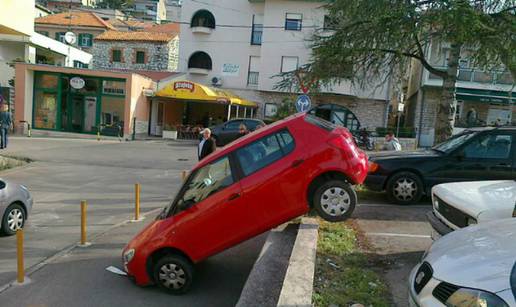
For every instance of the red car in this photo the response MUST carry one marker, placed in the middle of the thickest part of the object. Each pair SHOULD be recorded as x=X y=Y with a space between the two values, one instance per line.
x=254 y=184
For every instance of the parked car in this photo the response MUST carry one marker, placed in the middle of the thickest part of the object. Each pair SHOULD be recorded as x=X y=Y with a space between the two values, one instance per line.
x=461 y=204
x=229 y=131
x=478 y=154
x=474 y=266
x=256 y=183
x=15 y=206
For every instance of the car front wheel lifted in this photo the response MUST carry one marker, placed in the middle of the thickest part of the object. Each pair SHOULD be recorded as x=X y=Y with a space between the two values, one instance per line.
x=335 y=200
x=174 y=274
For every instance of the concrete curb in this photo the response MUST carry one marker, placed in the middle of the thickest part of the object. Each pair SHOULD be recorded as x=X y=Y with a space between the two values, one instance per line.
x=299 y=280
x=284 y=271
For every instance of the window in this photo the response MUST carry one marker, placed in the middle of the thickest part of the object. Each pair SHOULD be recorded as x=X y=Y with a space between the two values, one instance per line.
x=206 y=181
x=43 y=32
x=265 y=151
x=496 y=146
x=116 y=55
x=233 y=125
x=203 y=18
x=200 y=60
x=254 y=74
x=256 y=35
x=85 y=40
x=251 y=124
x=79 y=64
x=293 y=22
x=289 y=63
x=60 y=36
x=140 y=57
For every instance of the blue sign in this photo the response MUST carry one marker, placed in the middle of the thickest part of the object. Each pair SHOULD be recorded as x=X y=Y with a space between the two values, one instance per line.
x=303 y=103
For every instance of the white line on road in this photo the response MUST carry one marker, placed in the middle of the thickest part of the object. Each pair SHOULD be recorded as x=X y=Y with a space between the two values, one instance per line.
x=386 y=234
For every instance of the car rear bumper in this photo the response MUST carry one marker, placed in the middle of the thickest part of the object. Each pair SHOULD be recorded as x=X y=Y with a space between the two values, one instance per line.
x=375 y=182
x=440 y=227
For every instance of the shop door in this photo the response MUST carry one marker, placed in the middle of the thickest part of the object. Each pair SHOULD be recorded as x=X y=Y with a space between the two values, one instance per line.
x=90 y=113
x=77 y=113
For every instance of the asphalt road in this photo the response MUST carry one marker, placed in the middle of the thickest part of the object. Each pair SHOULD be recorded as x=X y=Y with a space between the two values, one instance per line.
x=398 y=235
x=67 y=171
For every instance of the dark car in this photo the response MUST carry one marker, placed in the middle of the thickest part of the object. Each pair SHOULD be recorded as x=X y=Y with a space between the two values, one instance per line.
x=229 y=131
x=477 y=154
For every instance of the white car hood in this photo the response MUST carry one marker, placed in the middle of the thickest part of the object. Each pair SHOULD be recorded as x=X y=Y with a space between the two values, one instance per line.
x=478 y=196
x=479 y=257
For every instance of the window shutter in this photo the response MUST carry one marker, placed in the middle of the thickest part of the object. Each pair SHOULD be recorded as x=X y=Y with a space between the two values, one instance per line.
x=80 y=39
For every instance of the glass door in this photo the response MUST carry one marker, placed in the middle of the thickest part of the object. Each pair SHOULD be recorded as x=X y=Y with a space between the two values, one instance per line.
x=77 y=103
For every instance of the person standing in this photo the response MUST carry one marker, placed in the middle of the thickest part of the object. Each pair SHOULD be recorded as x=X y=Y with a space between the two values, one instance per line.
x=5 y=123
x=391 y=142
x=207 y=144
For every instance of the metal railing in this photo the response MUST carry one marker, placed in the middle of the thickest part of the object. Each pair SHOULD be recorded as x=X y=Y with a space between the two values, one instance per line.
x=480 y=76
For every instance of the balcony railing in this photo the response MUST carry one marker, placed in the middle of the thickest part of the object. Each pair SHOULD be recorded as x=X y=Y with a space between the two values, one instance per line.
x=479 y=76
x=253 y=77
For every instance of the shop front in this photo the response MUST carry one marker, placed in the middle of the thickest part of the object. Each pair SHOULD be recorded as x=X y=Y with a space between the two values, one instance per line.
x=484 y=108
x=188 y=107
x=82 y=101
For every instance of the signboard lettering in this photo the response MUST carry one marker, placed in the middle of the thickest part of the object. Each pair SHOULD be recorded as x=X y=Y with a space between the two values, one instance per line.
x=184 y=85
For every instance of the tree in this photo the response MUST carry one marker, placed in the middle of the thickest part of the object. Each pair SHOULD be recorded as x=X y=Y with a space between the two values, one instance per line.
x=376 y=37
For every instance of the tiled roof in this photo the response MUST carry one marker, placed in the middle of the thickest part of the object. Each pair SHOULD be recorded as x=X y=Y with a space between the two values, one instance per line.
x=84 y=19
x=124 y=24
x=165 y=28
x=137 y=36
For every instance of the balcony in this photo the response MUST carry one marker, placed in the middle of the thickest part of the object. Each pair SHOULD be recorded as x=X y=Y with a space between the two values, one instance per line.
x=252 y=78
x=479 y=76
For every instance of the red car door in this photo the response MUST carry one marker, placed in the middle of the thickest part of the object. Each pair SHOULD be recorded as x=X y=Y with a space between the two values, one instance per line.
x=215 y=216
x=263 y=164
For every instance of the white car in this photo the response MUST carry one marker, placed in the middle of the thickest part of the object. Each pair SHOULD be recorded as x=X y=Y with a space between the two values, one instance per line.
x=474 y=266
x=461 y=204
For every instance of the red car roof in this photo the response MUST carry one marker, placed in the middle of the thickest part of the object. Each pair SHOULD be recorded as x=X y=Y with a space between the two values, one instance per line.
x=220 y=152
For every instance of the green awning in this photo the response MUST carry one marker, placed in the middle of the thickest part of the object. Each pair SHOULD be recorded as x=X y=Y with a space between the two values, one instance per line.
x=486 y=96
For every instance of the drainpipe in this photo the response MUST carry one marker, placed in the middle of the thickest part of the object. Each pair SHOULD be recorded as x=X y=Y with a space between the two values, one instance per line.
x=387 y=103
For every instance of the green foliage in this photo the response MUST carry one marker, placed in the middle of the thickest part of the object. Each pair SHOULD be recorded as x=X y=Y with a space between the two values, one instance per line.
x=342 y=275
x=285 y=109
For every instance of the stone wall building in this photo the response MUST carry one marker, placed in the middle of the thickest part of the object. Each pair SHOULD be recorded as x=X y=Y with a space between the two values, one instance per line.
x=136 y=51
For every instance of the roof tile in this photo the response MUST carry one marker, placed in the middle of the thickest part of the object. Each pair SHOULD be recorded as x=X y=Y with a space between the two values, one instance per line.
x=139 y=36
x=85 y=19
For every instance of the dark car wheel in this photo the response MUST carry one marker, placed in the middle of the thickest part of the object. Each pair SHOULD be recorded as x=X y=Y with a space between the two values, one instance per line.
x=405 y=188
x=13 y=219
x=173 y=273
x=335 y=200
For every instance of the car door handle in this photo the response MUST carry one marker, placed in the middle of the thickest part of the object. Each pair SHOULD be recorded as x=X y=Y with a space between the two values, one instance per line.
x=233 y=196
x=503 y=165
x=296 y=163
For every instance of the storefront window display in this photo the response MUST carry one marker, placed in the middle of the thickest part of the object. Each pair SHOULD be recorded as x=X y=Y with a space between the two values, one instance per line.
x=80 y=104
x=45 y=110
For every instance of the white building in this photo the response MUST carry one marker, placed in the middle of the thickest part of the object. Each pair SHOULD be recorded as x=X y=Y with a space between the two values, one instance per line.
x=483 y=98
x=19 y=43
x=241 y=45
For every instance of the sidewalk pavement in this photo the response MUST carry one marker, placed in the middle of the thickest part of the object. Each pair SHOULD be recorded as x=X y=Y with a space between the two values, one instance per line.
x=80 y=279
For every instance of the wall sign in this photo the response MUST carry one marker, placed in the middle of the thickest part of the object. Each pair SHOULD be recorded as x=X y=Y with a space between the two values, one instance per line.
x=113 y=87
x=77 y=83
x=230 y=70
x=184 y=85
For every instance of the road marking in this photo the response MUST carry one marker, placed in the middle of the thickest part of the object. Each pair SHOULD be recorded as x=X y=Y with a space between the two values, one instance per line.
x=387 y=234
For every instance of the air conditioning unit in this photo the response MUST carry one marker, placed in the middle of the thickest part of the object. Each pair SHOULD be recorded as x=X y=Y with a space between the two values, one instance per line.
x=216 y=81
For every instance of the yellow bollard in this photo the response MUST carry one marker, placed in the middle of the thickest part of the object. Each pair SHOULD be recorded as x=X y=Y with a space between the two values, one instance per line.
x=19 y=252
x=137 y=202
x=183 y=176
x=83 y=222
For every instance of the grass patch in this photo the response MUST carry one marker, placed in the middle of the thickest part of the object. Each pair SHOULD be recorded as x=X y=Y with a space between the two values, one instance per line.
x=342 y=273
x=8 y=162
